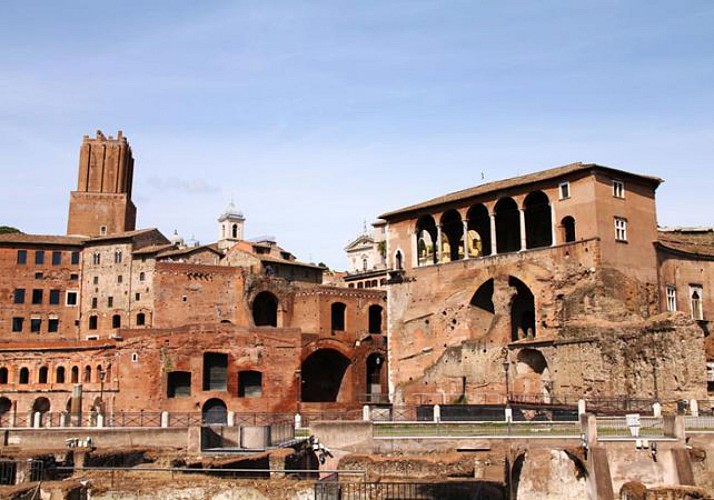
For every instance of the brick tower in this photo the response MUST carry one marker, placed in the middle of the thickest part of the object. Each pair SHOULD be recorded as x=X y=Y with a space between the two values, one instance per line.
x=102 y=204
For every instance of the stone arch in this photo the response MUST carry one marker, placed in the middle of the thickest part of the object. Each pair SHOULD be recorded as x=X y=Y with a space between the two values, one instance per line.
x=532 y=375
x=322 y=373
x=426 y=240
x=24 y=377
x=479 y=231
x=508 y=226
x=568 y=226
x=43 y=376
x=42 y=406
x=5 y=406
x=215 y=412
x=452 y=237
x=375 y=318
x=523 y=325
x=60 y=375
x=265 y=309
x=75 y=375
x=539 y=220
x=4 y=375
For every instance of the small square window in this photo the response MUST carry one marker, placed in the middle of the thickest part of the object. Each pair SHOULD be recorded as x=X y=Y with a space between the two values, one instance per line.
x=35 y=325
x=53 y=325
x=120 y=279
x=54 y=297
x=137 y=296
x=19 y=296
x=74 y=277
x=95 y=280
x=110 y=301
x=39 y=276
x=564 y=190
x=618 y=189
x=17 y=324
x=75 y=258
x=37 y=296
x=56 y=258
x=71 y=298
x=620 y=229
x=39 y=257
x=22 y=256
x=102 y=230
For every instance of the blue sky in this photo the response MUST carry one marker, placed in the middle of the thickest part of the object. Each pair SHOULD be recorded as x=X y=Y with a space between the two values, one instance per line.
x=315 y=116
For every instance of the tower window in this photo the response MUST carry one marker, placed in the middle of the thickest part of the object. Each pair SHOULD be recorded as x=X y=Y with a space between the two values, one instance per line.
x=117 y=256
x=56 y=258
x=564 y=190
x=618 y=189
x=695 y=297
x=620 y=229
x=39 y=257
x=671 y=298
x=19 y=296
x=96 y=258
x=22 y=256
x=102 y=230
x=142 y=276
x=17 y=324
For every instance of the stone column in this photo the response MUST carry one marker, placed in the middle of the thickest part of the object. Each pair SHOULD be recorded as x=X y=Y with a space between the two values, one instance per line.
x=494 y=246
x=522 y=214
x=553 y=226
x=415 y=251
x=438 y=244
x=75 y=409
x=466 y=239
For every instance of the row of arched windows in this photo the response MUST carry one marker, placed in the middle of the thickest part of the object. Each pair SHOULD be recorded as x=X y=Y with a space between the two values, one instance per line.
x=509 y=228
x=338 y=315
x=60 y=375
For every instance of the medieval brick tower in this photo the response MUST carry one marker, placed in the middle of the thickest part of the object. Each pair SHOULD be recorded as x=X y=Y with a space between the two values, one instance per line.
x=102 y=204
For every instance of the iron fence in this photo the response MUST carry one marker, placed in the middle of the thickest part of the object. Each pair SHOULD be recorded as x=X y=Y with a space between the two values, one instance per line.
x=475 y=429
x=281 y=432
x=702 y=423
x=649 y=427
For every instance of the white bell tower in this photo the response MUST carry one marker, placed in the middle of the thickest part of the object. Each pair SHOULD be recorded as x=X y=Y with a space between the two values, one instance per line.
x=230 y=226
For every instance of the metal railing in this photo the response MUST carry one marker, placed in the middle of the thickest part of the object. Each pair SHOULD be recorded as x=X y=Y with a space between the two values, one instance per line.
x=702 y=423
x=475 y=429
x=619 y=428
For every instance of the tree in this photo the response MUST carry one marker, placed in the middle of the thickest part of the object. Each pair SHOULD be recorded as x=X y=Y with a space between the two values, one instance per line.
x=9 y=229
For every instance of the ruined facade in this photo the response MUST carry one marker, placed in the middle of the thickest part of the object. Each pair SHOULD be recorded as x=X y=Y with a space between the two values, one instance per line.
x=546 y=288
x=110 y=318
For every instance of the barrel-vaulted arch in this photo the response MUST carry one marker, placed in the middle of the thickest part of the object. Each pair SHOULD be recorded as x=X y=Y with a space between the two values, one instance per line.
x=452 y=237
x=508 y=226
x=426 y=236
x=265 y=309
x=539 y=220
x=325 y=370
x=479 y=231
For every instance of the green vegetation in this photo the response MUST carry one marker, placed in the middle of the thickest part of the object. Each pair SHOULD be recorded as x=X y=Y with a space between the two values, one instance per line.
x=9 y=230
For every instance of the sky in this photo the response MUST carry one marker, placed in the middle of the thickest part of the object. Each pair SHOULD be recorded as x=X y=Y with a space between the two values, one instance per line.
x=316 y=116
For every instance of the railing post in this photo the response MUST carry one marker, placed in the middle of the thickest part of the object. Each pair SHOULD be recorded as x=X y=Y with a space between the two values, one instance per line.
x=437 y=413
x=366 y=414
x=164 y=419
x=100 y=420
x=657 y=409
x=298 y=421
x=694 y=407
x=231 y=419
x=581 y=407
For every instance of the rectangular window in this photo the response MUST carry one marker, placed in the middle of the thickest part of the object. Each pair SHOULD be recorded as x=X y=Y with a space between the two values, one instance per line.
x=96 y=258
x=178 y=385
x=137 y=296
x=37 y=296
x=620 y=229
x=696 y=296
x=95 y=280
x=35 y=325
x=110 y=301
x=120 y=279
x=94 y=302
x=92 y=323
x=215 y=368
x=74 y=277
x=39 y=257
x=75 y=258
x=19 y=296
x=53 y=325
x=564 y=189
x=56 y=258
x=54 y=297
x=17 y=324
x=22 y=256
x=39 y=276
x=71 y=298
x=250 y=384
x=671 y=298
x=117 y=256
x=618 y=189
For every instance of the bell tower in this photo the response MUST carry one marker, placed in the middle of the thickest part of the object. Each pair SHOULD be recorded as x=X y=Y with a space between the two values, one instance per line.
x=102 y=204
x=230 y=227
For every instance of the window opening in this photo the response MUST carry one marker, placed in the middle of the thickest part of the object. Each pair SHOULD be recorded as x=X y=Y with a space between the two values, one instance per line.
x=250 y=384
x=178 y=385
x=338 y=316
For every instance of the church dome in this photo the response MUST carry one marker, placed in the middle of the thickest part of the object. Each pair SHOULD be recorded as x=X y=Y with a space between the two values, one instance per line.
x=231 y=212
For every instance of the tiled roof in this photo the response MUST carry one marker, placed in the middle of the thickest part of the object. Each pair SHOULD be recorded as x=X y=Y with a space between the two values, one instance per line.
x=170 y=252
x=41 y=239
x=694 y=241
x=125 y=234
x=490 y=187
x=267 y=258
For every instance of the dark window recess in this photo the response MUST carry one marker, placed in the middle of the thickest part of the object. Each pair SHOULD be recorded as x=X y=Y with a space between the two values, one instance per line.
x=75 y=258
x=39 y=257
x=250 y=384
x=120 y=279
x=43 y=375
x=110 y=301
x=71 y=298
x=178 y=385
x=56 y=258
x=54 y=297
x=375 y=319
x=338 y=316
x=22 y=256
x=59 y=375
x=215 y=368
x=92 y=322
x=39 y=276
x=53 y=325
x=24 y=376
x=37 y=296
x=74 y=277
x=137 y=296
x=3 y=379
x=19 y=296
x=17 y=324
x=116 y=321
x=35 y=325
x=140 y=319
x=75 y=375
x=94 y=303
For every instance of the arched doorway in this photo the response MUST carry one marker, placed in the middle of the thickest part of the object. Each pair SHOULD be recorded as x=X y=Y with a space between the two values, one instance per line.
x=265 y=309
x=41 y=406
x=375 y=363
x=568 y=225
x=532 y=376
x=322 y=373
x=215 y=412
x=539 y=222
x=452 y=237
x=522 y=311
x=508 y=226
x=479 y=231
x=426 y=240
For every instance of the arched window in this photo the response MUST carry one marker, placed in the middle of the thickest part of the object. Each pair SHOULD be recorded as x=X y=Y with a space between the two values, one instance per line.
x=116 y=321
x=43 y=375
x=93 y=322
x=142 y=276
x=479 y=233
x=59 y=375
x=508 y=226
x=375 y=319
x=568 y=225
x=696 y=302
x=96 y=258
x=539 y=223
x=265 y=309
x=75 y=374
x=3 y=375
x=87 y=373
x=523 y=324
x=117 y=256
x=364 y=263
x=234 y=231
x=140 y=319
x=398 y=260
x=452 y=237
x=338 y=316
x=24 y=376
x=426 y=241
x=99 y=373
